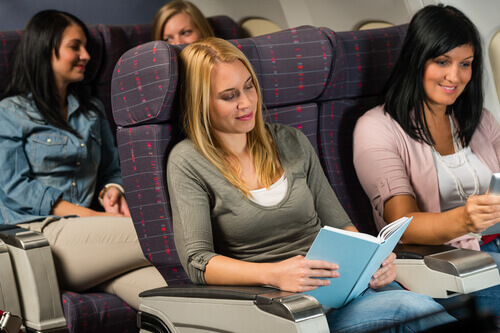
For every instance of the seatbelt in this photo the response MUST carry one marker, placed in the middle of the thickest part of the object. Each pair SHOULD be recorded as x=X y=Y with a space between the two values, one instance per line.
x=10 y=323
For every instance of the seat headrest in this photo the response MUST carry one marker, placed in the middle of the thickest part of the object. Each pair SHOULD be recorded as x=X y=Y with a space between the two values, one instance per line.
x=292 y=65
x=363 y=61
x=144 y=84
x=224 y=27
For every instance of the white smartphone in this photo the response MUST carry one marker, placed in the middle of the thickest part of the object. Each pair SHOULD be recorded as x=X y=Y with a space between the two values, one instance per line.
x=494 y=189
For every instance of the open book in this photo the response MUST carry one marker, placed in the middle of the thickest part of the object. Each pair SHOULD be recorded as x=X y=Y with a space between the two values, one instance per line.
x=358 y=256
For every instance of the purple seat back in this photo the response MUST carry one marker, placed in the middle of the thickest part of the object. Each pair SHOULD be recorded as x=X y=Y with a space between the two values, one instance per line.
x=363 y=63
x=143 y=91
x=224 y=27
x=8 y=42
x=144 y=86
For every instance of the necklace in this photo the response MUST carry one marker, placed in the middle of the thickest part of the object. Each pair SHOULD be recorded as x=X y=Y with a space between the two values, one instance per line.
x=461 y=158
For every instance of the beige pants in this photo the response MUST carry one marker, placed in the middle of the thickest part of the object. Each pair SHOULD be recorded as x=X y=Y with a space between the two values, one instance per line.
x=101 y=253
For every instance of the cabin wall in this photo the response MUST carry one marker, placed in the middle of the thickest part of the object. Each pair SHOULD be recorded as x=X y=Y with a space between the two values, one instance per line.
x=14 y=14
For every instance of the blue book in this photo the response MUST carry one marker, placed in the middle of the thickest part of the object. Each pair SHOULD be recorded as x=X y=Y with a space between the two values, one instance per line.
x=358 y=256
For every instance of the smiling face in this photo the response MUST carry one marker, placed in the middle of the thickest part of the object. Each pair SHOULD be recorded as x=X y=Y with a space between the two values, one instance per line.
x=446 y=76
x=69 y=65
x=180 y=29
x=233 y=100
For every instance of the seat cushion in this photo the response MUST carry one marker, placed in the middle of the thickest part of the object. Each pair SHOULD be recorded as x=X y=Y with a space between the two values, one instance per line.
x=98 y=312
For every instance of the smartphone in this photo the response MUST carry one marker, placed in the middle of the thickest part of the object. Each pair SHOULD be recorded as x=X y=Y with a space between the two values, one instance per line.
x=494 y=188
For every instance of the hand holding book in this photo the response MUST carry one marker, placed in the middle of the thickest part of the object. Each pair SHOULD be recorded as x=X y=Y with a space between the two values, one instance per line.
x=358 y=256
x=385 y=274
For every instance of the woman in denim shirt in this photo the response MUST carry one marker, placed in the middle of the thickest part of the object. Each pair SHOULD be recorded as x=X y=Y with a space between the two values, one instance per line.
x=60 y=157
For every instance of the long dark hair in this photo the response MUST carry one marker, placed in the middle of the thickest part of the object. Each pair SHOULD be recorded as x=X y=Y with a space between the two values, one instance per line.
x=32 y=67
x=433 y=31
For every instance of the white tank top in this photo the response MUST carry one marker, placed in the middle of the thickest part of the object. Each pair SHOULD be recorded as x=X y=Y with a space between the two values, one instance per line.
x=448 y=192
x=273 y=195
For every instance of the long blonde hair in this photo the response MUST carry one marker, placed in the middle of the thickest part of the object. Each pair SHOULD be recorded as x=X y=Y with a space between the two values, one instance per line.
x=198 y=60
x=175 y=7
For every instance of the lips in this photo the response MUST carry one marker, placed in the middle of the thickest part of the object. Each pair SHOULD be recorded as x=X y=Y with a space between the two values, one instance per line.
x=80 y=67
x=449 y=89
x=246 y=117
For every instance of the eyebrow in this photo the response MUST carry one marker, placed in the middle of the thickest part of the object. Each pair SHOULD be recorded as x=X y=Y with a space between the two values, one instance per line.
x=230 y=89
x=447 y=56
x=77 y=40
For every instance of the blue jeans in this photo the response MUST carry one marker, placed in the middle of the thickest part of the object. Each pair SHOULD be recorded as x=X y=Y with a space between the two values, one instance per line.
x=391 y=306
x=489 y=299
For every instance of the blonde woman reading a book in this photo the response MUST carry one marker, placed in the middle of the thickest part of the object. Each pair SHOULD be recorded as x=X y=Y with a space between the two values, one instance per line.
x=248 y=198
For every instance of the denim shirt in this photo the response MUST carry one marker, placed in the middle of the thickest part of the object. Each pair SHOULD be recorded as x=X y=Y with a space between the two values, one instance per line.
x=43 y=163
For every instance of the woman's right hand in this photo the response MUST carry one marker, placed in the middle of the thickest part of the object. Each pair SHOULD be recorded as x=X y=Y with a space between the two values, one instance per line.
x=481 y=212
x=65 y=208
x=104 y=214
x=299 y=274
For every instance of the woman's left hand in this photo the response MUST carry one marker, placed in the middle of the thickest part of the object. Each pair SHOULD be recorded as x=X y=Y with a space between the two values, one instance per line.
x=113 y=201
x=386 y=273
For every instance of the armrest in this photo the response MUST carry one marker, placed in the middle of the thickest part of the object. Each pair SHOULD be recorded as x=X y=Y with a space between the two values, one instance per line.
x=404 y=251
x=444 y=271
x=9 y=299
x=36 y=278
x=231 y=308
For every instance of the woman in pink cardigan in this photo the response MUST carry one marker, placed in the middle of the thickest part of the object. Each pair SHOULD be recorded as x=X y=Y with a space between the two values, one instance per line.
x=430 y=149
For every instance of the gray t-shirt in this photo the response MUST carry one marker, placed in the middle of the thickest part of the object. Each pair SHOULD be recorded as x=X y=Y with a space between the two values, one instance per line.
x=213 y=217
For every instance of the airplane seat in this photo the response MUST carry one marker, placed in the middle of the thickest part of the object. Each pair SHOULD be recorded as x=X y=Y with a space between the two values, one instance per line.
x=494 y=53
x=224 y=27
x=114 y=41
x=364 y=60
x=8 y=42
x=256 y=26
x=145 y=106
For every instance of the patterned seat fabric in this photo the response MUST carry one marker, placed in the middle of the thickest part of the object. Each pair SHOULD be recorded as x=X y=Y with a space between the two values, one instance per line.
x=224 y=27
x=97 y=312
x=8 y=42
x=313 y=79
x=364 y=60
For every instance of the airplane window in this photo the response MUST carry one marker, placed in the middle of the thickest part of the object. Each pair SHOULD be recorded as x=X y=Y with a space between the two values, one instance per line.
x=495 y=60
x=258 y=26
x=374 y=25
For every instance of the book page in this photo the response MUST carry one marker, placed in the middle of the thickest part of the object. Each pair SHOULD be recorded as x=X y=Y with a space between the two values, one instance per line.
x=389 y=229
x=361 y=235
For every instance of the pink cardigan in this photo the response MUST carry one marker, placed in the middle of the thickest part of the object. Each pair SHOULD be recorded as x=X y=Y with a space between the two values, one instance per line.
x=388 y=162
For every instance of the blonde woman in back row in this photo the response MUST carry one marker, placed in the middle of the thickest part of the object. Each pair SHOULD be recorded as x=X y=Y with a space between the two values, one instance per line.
x=180 y=22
